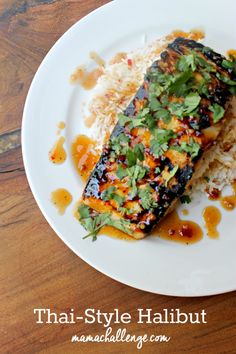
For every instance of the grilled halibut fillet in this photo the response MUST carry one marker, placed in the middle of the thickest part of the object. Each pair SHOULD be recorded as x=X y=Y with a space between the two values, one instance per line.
x=159 y=140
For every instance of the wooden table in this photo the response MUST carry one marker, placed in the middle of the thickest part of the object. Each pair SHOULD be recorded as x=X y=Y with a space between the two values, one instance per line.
x=37 y=269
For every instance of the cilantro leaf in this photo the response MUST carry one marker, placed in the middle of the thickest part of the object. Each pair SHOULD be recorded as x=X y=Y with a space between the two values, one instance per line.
x=131 y=157
x=147 y=200
x=179 y=80
x=185 y=62
x=185 y=199
x=119 y=199
x=177 y=109
x=123 y=119
x=94 y=223
x=157 y=148
x=139 y=151
x=218 y=112
x=163 y=114
x=191 y=102
x=171 y=175
x=192 y=147
x=225 y=79
x=107 y=194
x=121 y=172
x=154 y=104
x=164 y=135
x=157 y=170
x=83 y=211
x=119 y=143
x=230 y=64
x=135 y=173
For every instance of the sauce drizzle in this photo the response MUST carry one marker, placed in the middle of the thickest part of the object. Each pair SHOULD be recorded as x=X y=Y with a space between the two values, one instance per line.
x=57 y=154
x=86 y=79
x=84 y=155
x=227 y=202
x=174 y=229
x=212 y=217
x=61 y=198
x=96 y=57
x=231 y=52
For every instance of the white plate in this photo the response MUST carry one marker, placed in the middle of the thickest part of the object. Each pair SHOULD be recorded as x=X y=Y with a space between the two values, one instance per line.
x=152 y=264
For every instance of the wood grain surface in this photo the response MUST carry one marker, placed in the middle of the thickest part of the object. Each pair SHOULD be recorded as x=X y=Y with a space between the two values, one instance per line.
x=36 y=269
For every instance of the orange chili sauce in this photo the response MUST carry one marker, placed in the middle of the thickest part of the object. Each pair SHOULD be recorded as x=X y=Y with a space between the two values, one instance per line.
x=115 y=233
x=87 y=79
x=228 y=202
x=96 y=57
x=174 y=229
x=185 y=212
x=231 y=52
x=57 y=154
x=61 y=198
x=212 y=217
x=195 y=34
x=84 y=155
x=118 y=57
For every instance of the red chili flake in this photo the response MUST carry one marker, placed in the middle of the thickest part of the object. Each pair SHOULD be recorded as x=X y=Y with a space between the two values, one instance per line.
x=186 y=231
x=171 y=232
x=129 y=61
x=214 y=194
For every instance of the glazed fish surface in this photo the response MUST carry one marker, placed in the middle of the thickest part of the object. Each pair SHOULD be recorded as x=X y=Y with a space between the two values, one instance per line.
x=160 y=140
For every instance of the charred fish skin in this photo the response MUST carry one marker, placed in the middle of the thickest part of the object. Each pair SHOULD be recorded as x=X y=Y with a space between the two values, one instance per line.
x=184 y=93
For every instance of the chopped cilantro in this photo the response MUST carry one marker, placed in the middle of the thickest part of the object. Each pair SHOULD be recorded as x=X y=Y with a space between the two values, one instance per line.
x=121 y=172
x=185 y=62
x=185 y=199
x=157 y=148
x=139 y=151
x=147 y=200
x=192 y=147
x=93 y=223
x=157 y=170
x=171 y=175
x=160 y=142
x=218 y=112
x=131 y=157
x=230 y=64
x=123 y=119
x=204 y=64
x=135 y=209
x=154 y=104
x=119 y=143
x=83 y=211
x=179 y=80
x=155 y=91
x=164 y=135
x=135 y=173
x=177 y=109
x=225 y=79
x=107 y=194
x=163 y=114
x=191 y=102
x=119 y=199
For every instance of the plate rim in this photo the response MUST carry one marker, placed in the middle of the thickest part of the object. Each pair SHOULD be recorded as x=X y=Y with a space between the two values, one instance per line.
x=35 y=193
